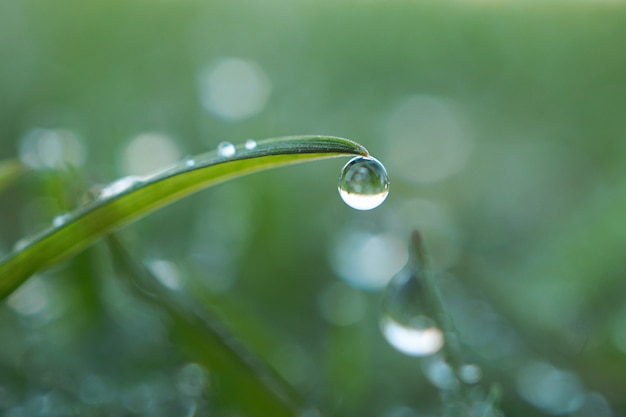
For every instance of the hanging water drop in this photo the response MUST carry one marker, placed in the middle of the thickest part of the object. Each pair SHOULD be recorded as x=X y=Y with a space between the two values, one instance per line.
x=408 y=309
x=363 y=184
x=250 y=144
x=119 y=186
x=226 y=149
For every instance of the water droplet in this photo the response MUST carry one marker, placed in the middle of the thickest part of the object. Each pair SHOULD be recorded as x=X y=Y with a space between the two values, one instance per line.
x=470 y=373
x=225 y=149
x=190 y=162
x=250 y=144
x=120 y=186
x=60 y=220
x=364 y=183
x=408 y=308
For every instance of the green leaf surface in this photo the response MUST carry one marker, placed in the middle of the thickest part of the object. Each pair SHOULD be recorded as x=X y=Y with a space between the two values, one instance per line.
x=77 y=230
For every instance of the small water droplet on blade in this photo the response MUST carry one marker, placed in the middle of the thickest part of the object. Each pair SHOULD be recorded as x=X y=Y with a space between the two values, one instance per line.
x=190 y=162
x=120 y=186
x=60 y=220
x=226 y=149
x=363 y=184
x=250 y=144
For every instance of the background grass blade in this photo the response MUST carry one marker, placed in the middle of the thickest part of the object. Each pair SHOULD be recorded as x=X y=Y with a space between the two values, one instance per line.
x=111 y=210
x=246 y=383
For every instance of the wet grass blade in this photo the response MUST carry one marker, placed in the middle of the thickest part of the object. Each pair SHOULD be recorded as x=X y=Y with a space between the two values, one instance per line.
x=77 y=230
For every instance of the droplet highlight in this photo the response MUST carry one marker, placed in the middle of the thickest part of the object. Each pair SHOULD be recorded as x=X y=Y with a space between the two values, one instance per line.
x=226 y=149
x=190 y=162
x=364 y=183
x=408 y=309
x=250 y=144
x=119 y=186
x=60 y=220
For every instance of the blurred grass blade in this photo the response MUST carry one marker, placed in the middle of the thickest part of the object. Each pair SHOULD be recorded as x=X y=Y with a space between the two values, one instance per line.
x=115 y=208
x=245 y=382
x=10 y=170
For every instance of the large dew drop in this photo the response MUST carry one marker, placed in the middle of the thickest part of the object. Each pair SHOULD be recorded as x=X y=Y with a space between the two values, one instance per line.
x=408 y=309
x=226 y=149
x=364 y=183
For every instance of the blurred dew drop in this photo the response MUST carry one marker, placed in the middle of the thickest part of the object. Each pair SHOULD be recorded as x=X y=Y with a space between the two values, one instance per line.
x=119 y=186
x=550 y=389
x=367 y=260
x=341 y=305
x=30 y=298
x=427 y=139
x=440 y=373
x=191 y=380
x=149 y=152
x=51 y=148
x=226 y=149
x=60 y=220
x=190 y=162
x=166 y=272
x=364 y=183
x=470 y=373
x=250 y=144
x=234 y=89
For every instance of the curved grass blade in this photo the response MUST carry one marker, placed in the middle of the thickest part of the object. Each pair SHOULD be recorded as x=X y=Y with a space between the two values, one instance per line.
x=115 y=208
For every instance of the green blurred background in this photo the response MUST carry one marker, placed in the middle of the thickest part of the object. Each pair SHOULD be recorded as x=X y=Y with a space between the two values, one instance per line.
x=502 y=125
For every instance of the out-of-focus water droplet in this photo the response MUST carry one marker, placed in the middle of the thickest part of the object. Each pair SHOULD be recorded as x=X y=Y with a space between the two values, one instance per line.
x=470 y=373
x=31 y=298
x=191 y=380
x=363 y=184
x=190 y=162
x=550 y=389
x=119 y=186
x=226 y=149
x=250 y=144
x=407 y=311
x=440 y=373
x=60 y=220
x=167 y=273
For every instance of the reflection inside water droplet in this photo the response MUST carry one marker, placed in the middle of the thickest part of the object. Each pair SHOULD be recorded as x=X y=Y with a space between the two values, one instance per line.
x=226 y=149
x=363 y=184
x=419 y=339
x=250 y=144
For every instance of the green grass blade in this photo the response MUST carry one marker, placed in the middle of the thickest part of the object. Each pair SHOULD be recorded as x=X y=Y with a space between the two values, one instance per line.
x=94 y=220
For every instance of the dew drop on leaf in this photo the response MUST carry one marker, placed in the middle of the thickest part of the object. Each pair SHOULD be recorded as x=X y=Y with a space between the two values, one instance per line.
x=250 y=144
x=190 y=162
x=119 y=186
x=363 y=184
x=225 y=149
x=60 y=220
